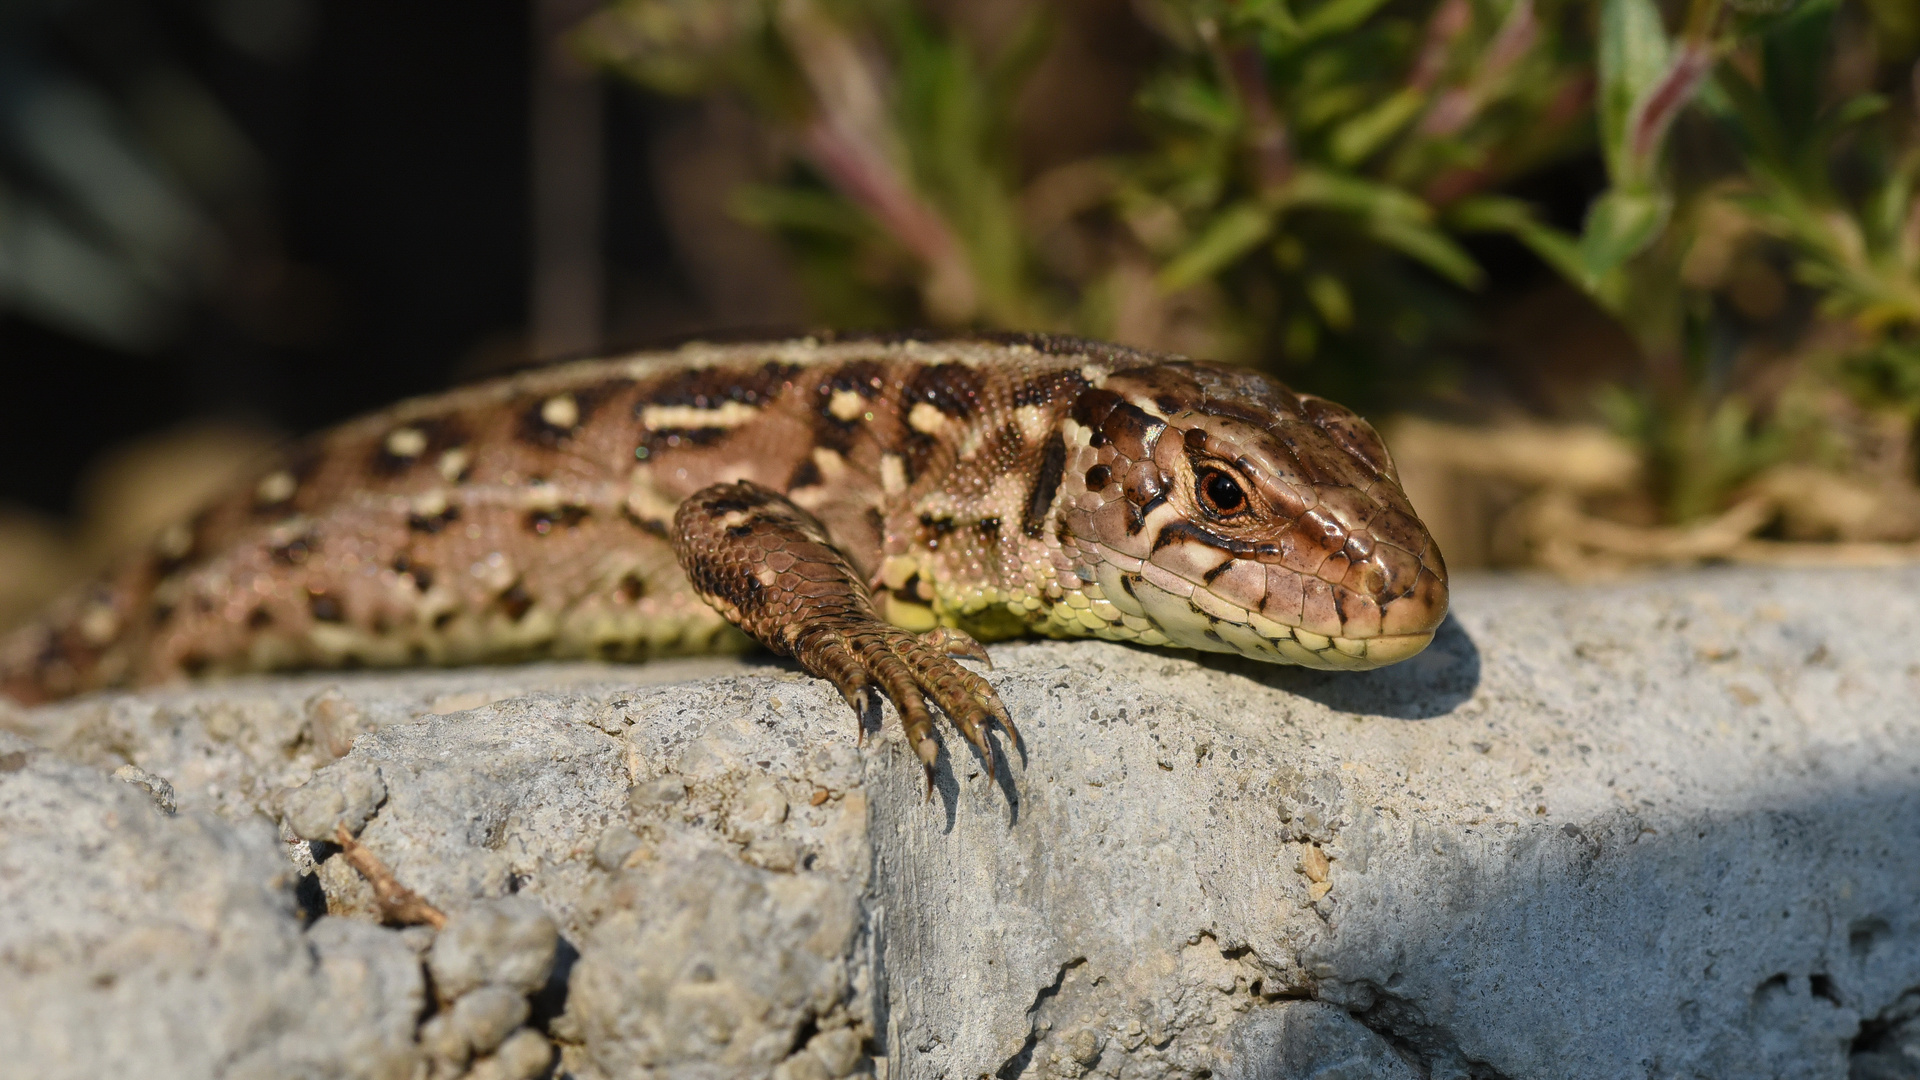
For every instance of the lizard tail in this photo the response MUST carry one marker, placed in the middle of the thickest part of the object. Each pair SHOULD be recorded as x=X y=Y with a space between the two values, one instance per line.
x=82 y=641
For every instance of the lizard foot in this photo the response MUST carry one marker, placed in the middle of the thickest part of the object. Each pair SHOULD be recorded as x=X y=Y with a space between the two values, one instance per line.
x=771 y=568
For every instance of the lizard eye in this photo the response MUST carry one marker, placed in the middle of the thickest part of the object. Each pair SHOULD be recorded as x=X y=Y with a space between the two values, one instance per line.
x=1219 y=492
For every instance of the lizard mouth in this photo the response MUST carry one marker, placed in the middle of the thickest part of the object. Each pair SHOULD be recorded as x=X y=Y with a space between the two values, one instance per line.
x=1205 y=620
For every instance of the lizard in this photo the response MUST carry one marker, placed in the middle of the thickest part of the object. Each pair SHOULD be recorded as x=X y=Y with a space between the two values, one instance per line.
x=872 y=507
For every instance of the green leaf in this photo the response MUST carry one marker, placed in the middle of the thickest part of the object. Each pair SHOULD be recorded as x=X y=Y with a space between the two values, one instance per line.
x=1336 y=16
x=1430 y=246
x=1344 y=191
x=1499 y=213
x=1620 y=224
x=1633 y=58
x=1238 y=230
x=1361 y=136
x=1860 y=107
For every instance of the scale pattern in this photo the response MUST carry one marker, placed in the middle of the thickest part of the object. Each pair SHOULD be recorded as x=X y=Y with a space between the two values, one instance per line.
x=991 y=486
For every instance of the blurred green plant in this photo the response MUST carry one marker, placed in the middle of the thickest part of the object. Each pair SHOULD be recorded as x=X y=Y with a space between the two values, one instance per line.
x=1313 y=171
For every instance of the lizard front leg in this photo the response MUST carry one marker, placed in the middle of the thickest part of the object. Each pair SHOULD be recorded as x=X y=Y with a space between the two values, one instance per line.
x=771 y=569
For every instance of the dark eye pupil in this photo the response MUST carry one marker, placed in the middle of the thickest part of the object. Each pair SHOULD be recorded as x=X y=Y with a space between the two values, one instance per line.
x=1221 y=492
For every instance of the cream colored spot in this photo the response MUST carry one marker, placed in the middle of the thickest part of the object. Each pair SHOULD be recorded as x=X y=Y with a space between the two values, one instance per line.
x=898 y=570
x=560 y=411
x=175 y=541
x=99 y=624
x=431 y=504
x=406 y=442
x=831 y=465
x=1094 y=373
x=893 y=474
x=1076 y=433
x=645 y=500
x=733 y=519
x=1034 y=422
x=541 y=496
x=1147 y=405
x=454 y=462
x=728 y=414
x=846 y=406
x=916 y=618
x=766 y=576
x=275 y=488
x=926 y=419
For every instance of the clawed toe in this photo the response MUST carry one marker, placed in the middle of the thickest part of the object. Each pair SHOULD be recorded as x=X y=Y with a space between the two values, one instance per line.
x=914 y=672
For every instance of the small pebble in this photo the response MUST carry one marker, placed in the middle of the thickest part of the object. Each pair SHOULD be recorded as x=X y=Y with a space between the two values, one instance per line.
x=508 y=942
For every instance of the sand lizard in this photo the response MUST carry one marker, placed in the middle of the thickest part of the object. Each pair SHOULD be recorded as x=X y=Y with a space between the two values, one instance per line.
x=871 y=507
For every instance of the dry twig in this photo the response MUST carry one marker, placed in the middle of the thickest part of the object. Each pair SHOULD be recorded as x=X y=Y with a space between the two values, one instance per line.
x=399 y=905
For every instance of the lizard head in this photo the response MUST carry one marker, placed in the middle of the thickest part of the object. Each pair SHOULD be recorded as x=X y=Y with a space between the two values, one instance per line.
x=1234 y=515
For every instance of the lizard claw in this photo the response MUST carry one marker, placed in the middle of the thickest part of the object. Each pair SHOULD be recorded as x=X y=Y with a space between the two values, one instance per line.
x=957 y=643
x=913 y=672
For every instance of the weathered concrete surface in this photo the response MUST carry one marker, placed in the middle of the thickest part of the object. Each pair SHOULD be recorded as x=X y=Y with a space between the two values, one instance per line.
x=1663 y=828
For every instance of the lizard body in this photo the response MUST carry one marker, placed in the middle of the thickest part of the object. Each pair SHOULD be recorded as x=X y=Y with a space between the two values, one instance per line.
x=651 y=504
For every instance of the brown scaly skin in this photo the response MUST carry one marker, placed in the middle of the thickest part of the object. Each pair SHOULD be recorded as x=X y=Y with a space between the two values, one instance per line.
x=629 y=507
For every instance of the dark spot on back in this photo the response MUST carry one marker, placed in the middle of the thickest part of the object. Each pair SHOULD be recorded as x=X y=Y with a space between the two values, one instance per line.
x=806 y=474
x=646 y=525
x=441 y=620
x=296 y=551
x=631 y=588
x=195 y=664
x=954 y=389
x=324 y=607
x=864 y=377
x=989 y=528
x=1097 y=477
x=1046 y=485
x=422 y=576
x=917 y=453
x=433 y=523
x=711 y=387
x=677 y=438
x=516 y=602
x=441 y=433
x=260 y=618
x=567 y=516
x=1050 y=388
x=162 y=614
x=939 y=526
x=533 y=424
